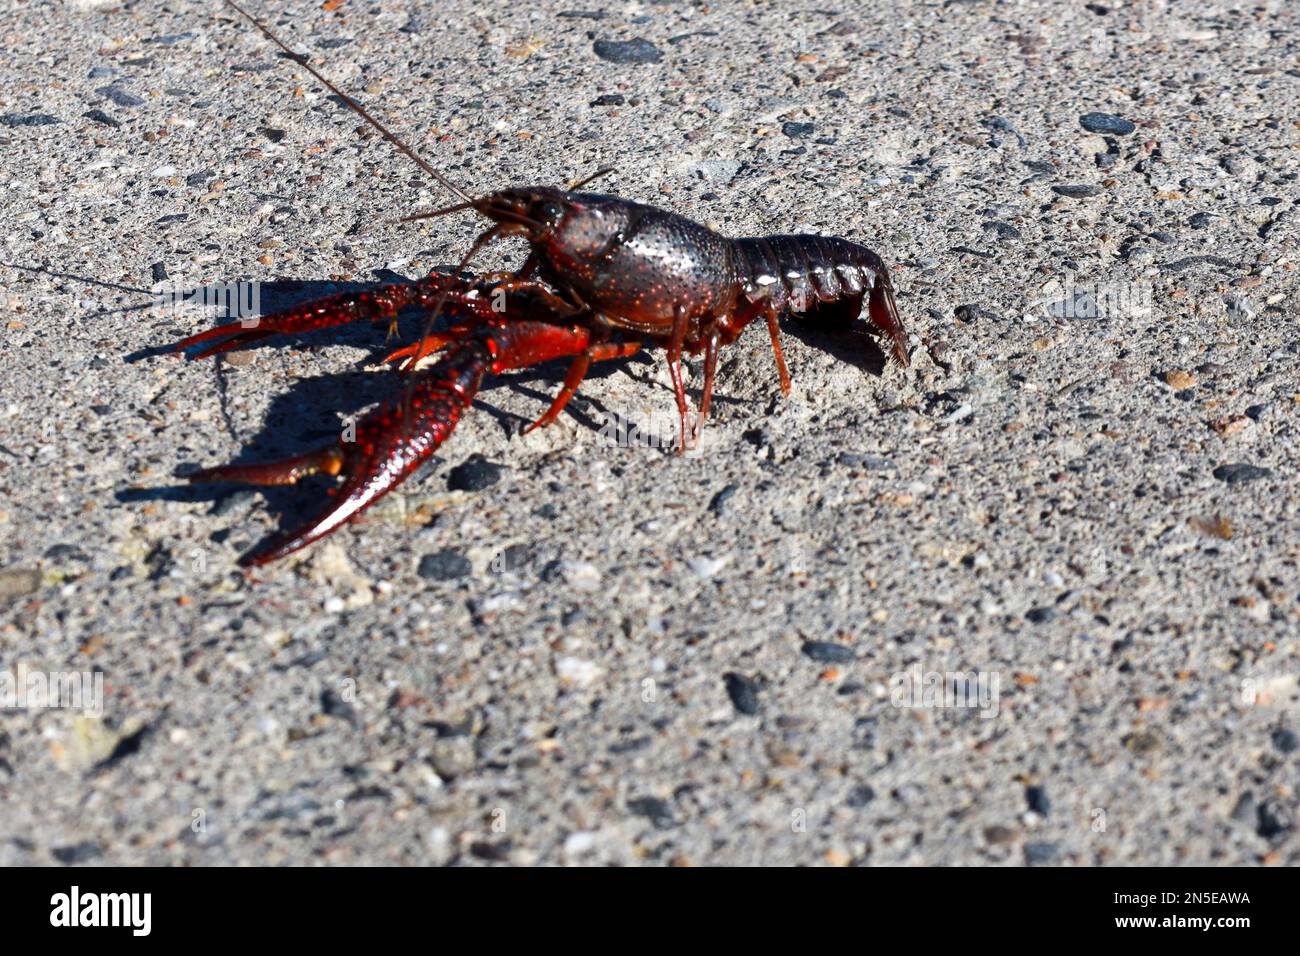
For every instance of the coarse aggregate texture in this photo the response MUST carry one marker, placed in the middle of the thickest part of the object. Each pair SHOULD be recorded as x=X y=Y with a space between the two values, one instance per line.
x=1082 y=492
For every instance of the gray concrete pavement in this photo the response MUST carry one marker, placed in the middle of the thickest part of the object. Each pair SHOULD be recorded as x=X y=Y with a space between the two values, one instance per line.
x=1082 y=493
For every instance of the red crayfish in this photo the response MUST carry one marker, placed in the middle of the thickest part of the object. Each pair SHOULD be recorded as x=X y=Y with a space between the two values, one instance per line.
x=604 y=278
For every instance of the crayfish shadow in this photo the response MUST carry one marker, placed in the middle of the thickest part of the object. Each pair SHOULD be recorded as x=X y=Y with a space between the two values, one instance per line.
x=313 y=412
x=854 y=345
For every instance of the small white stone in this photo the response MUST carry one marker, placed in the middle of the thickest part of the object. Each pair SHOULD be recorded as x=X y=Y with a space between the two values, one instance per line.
x=582 y=575
x=580 y=843
x=707 y=567
x=334 y=604
x=578 y=672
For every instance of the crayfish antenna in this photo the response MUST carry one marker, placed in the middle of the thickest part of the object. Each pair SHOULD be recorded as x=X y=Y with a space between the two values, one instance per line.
x=351 y=104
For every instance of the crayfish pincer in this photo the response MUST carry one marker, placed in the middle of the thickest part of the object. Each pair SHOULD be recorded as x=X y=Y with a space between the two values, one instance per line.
x=604 y=278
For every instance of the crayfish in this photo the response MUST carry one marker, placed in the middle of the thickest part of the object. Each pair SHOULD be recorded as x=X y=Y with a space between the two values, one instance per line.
x=604 y=278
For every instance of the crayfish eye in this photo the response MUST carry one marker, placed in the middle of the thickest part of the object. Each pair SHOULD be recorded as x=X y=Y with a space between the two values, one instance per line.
x=550 y=213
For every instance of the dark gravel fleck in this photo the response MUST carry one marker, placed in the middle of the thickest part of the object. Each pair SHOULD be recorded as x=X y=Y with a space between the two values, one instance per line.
x=120 y=96
x=743 y=693
x=1036 y=799
x=199 y=178
x=1076 y=190
x=1240 y=472
x=860 y=796
x=333 y=43
x=28 y=119
x=1273 y=819
x=159 y=272
x=827 y=652
x=474 y=474
x=1245 y=809
x=722 y=500
x=971 y=312
x=1106 y=123
x=444 y=565
x=636 y=50
x=274 y=135
x=1190 y=261
x=1041 y=615
x=657 y=811
x=332 y=705
x=609 y=99
x=1003 y=230
x=99 y=116
x=77 y=852
x=1285 y=740
x=1200 y=220
x=1040 y=853
x=65 y=552
x=798 y=130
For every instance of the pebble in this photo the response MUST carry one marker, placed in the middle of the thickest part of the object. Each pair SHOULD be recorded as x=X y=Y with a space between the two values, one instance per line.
x=706 y=567
x=743 y=693
x=474 y=474
x=453 y=756
x=581 y=575
x=119 y=96
x=77 y=853
x=579 y=844
x=1273 y=819
x=65 y=552
x=1003 y=230
x=28 y=119
x=1106 y=123
x=444 y=565
x=1240 y=472
x=721 y=501
x=99 y=116
x=1285 y=740
x=636 y=50
x=578 y=672
x=1036 y=800
x=1245 y=809
x=609 y=99
x=17 y=582
x=332 y=705
x=1076 y=190
x=827 y=652
x=1041 y=615
x=798 y=130
x=659 y=812
x=1199 y=220
x=860 y=796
